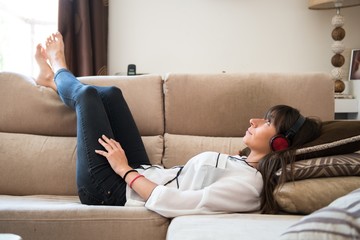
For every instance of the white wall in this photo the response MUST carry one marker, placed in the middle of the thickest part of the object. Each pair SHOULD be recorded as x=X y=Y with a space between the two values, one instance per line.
x=212 y=36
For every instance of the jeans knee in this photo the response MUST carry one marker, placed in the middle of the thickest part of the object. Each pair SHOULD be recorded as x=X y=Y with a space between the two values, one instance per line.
x=87 y=93
x=113 y=91
x=111 y=94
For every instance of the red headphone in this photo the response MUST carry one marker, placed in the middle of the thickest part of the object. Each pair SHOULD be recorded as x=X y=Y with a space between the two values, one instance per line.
x=283 y=141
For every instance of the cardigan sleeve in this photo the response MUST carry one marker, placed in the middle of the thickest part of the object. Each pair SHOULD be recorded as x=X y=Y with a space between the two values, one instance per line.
x=229 y=195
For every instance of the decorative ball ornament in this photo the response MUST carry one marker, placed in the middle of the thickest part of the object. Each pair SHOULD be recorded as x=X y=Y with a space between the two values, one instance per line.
x=338 y=34
x=337 y=60
x=338 y=20
x=337 y=73
x=338 y=47
x=339 y=86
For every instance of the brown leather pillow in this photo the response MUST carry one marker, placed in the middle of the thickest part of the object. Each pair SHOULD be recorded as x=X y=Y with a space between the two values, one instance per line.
x=337 y=137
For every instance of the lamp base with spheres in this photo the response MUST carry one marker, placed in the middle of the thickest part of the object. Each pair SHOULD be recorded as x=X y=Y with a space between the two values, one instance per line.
x=338 y=60
x=338 y=34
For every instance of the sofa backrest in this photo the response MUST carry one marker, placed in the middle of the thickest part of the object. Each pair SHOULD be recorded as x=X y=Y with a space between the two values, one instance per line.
x=144 y=95
x=222 y=104
x=32 y=109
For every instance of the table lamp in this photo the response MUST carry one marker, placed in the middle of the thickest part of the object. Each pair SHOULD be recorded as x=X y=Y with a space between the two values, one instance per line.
x=338 y=34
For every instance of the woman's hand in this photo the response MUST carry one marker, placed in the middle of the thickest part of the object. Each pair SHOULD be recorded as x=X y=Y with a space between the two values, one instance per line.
x=114 y=154
x=119 y=163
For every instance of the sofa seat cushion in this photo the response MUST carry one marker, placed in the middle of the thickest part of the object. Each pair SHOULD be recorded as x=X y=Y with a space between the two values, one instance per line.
x=64 y=217
x=230 y=226
x=9 y=236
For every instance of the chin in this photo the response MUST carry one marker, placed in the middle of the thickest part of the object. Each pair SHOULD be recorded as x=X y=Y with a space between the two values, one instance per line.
x=244 y=140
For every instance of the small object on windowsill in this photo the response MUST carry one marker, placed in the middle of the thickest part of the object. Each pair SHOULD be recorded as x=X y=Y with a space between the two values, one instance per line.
x=343 y=96
x=131 y=70
x=125 y=74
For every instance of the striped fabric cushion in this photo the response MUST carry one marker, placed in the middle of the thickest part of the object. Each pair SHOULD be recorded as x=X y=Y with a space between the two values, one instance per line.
x=331 y=166
x=340 y=220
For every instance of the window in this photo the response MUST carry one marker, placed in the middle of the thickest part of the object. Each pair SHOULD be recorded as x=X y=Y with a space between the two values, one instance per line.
x=24 y=24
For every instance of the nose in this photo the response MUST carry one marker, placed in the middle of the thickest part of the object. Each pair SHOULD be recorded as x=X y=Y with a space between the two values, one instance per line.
x=254 y=122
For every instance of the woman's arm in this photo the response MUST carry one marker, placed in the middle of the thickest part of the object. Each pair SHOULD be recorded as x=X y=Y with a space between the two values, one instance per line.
x=228 y=195
x=115 y=154
x=141 y=185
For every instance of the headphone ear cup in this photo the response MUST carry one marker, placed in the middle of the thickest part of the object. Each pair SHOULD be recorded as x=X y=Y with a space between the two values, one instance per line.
x=279 y=142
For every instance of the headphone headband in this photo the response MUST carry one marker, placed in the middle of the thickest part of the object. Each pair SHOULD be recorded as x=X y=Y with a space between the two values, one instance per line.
x=295 y=128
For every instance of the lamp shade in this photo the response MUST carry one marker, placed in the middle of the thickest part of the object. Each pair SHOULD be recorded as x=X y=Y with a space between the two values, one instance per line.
x=330 y=4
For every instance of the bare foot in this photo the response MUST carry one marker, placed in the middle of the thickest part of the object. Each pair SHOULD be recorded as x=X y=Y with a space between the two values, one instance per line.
x=55 y=51
x=46 y=75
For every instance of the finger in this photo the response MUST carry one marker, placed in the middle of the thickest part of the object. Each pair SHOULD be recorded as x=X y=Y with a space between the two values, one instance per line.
x=110 y=141
x=106 y=139
x=105 y=145
x=100 y=152
x=116 y=143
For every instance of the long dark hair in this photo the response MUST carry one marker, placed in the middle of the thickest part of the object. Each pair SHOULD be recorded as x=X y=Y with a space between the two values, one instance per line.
x=283 y=117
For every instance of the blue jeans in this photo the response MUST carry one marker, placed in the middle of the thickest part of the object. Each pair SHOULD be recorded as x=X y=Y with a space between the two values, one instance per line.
x=100 y=110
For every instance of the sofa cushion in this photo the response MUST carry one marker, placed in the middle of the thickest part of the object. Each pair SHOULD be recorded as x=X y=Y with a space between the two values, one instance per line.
x=28 y=108
x=235 y=226
x=43 y=217
x=39 y=164
x=180 y=148
x=309 y=195
x=337 y=137
x=9 y=236
x=222 y=104
x=340 y=220
x=46 y=164
x=21 y=98
x=331 y=166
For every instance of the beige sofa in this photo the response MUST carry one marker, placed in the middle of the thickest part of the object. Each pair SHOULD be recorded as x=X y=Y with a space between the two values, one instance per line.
x=178 y=117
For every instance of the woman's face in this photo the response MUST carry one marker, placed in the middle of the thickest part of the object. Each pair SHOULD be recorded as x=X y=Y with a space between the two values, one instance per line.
x=259 y=134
